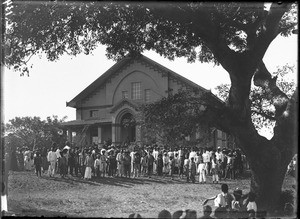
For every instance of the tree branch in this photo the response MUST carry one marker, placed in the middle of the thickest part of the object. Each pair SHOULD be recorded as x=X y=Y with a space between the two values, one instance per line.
x=286 y=129
x=263 y=79
x=270 y=30
x=263 y=114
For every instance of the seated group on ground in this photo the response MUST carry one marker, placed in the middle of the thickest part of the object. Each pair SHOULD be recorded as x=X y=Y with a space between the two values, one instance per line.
x=236 y=205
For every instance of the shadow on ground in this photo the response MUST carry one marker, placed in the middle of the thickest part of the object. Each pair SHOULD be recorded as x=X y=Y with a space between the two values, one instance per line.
x=118 y=181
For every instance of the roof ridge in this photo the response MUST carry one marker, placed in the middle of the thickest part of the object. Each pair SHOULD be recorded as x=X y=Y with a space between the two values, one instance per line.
x=103 y=77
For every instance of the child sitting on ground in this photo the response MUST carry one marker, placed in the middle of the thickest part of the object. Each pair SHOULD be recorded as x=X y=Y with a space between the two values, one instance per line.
x=251 y=204
x=224 y=199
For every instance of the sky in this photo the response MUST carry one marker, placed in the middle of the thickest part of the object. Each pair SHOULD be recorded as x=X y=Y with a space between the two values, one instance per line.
x=51 y=84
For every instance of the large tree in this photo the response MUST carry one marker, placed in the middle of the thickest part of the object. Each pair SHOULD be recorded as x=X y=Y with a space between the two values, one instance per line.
x=262 y=108
x=33 y=132
x=234 y=35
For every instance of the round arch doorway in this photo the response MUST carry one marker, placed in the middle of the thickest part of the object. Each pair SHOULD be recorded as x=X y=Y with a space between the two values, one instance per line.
x=128 y=128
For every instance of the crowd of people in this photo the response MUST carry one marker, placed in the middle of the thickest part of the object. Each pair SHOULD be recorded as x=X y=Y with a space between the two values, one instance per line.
x=189 y=164
x=133 y=161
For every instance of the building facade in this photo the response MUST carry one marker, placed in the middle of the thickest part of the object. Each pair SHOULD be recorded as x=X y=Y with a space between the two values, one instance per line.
x=115 y=97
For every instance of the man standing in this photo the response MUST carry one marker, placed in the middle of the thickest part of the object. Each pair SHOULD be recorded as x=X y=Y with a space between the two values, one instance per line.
x=52 y=158
x=58 y=156
x=206 y=158
x=155 y=155
x=132 y=161
x=192 y=154
x=150 y=161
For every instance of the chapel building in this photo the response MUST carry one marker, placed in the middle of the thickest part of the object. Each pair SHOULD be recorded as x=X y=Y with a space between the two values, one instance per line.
x=116 y=96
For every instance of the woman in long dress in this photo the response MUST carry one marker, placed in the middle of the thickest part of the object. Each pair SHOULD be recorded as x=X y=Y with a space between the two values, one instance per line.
x=88 y=166
x=166 y=162
x=27 y=160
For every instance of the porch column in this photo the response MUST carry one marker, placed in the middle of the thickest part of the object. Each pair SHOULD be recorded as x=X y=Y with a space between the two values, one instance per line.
x=113 y=133
x=88 y=137
x=99 y=134
x=69 y=135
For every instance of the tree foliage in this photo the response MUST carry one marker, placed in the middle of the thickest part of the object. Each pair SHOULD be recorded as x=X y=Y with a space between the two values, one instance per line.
x=173 y=118
x=172 y=30
x=33 y=132
x=234 y=35
x=262 y=107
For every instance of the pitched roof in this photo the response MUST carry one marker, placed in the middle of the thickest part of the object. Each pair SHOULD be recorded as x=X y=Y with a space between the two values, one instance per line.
x=126 y=60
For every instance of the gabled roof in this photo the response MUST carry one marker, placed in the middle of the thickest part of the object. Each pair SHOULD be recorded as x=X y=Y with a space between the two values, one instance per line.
x=126 y=60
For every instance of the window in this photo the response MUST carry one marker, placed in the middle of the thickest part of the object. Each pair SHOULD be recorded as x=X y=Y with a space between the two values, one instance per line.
x=147 y=95
x=125 y=94
x=94 y=113
x=136 y=90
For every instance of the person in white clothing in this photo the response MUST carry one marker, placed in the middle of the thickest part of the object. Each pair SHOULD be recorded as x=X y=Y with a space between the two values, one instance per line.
x=201 y=171
x=192 y=154
x=166 y=161
x=206 y=160
x=170 y=153
x=27 y=159
x=131 y=162
x=58 y=156
x=52 y=158
x=155 y=155
x=251 y=204
x=223 y=199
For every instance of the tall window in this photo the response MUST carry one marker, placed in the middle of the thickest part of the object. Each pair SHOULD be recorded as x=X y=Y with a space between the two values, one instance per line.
x=136 y=90
x=125 y=94
x=94 y=113
x=147 y=95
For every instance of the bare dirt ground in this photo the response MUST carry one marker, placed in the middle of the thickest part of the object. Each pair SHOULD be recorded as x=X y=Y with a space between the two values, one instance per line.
x=29 y=195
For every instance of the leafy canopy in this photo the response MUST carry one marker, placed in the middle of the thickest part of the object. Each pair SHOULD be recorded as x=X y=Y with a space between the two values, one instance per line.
x=191 y=30
x=173 y=118
x=262 y=106
x=33 y=132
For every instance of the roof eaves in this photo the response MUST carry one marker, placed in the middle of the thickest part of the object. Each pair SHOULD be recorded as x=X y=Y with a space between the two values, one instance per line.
x=99 y=81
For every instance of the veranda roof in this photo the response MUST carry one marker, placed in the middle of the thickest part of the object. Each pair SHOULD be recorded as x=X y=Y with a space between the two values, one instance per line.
x=85 y=122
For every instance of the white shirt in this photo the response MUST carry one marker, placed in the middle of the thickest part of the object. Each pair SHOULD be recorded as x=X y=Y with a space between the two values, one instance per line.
x=218 y=155
x=132 y=156
x=192 y=154
x=170 y=154
x=205 y=157
x=51 y=157
x=201 y=168
x=252 y=205
x=97 y=163
x=155 y=154
x=179 y=152
x=57 y=153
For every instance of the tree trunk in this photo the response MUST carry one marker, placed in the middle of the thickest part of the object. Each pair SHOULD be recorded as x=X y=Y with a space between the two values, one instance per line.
x=268 y=159
x=268 y=166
